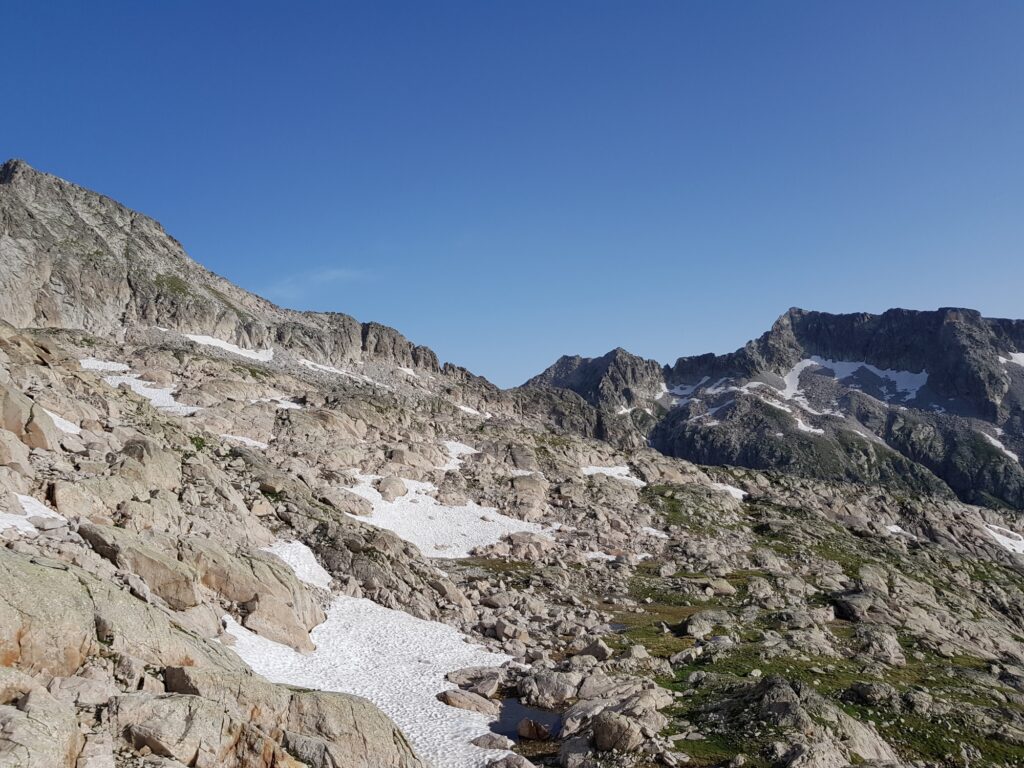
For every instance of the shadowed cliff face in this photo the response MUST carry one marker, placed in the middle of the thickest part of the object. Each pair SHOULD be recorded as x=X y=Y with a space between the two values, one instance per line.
x=922 y=400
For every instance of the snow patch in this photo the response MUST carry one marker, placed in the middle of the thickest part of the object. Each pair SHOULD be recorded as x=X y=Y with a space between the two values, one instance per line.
x=737 y=493
x=898 y=385
x=302 y=561
x=95 y=364
x=995 y=443
x=1007 y=539
x=467 y=409
x=804 y=427
x=437 y=529
x=32 y=507
x=654 y=532
x=246 y=441
x=622 y=473
x=161 y=397
x=339 y=372
x=394 y=660
x=63 y=424
x=1017 y=358
x=262 y=355
x=456 y=451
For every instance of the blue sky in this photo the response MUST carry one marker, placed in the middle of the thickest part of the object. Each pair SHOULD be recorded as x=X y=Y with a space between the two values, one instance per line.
x=512 y=181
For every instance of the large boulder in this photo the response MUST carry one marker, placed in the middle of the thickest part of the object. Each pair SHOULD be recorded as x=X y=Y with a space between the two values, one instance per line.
x=36 y=730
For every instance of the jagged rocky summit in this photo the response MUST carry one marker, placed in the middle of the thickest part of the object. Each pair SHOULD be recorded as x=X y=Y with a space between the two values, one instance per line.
x=933 y=401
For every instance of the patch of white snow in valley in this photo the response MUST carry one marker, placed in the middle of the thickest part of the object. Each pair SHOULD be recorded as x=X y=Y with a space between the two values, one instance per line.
x=467 y=409
x=732 y=490
x=1016 y=358
x=408 y=372
x=995 y=443
x=301 y=559
x=456 y=451
x=895 y=529
x=437 y=529
x=394 y=660
x=622 y=473
x=63 y=424
x=246 y=441
x=160 y=397
x=1007 y=539
x=95 y=364
x=31 y=507
x=262 y=355
x=599 y=556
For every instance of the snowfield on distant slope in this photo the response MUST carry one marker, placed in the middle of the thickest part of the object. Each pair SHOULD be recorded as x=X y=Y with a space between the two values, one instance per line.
x=262 y=355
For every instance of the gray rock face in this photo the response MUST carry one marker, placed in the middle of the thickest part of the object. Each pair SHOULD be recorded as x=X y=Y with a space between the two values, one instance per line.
x=957 y=426
x=71 y=258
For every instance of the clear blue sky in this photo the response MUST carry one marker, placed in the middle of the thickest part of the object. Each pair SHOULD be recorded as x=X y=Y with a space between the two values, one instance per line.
x=511 y=181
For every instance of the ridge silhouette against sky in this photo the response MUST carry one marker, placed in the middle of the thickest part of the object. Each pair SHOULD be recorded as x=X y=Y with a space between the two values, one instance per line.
x=510 y=182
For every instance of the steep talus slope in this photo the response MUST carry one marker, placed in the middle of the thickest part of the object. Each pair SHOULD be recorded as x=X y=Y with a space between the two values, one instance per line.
x=234 y=535
x=933 y=401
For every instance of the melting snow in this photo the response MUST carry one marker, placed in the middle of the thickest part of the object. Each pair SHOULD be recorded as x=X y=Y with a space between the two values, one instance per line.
x=599 y=556
x=437 y=529
x=408 y=372
x=998 y=445
x=902 y=385
x=1006 y=538
x=262 y=355
x=301 y=559
x=1016 y=358
x=456 y=451
x=655 y=532
x=246 y=441
x=732 y=490
x=63 y=424
x=393 y=659
x=467 y=409
x=32 y=507
x=622 y=473
x=339 y=372
x=804 y=427
x=160 y=397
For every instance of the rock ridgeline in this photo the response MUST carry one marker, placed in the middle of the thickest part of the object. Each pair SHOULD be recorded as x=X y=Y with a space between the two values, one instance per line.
x=74 y=259
x=929 y=400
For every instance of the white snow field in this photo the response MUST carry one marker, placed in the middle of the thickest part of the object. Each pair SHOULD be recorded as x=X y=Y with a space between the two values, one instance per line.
x=301 y=559
x=737 y=493
x=1006 y=538
x=262 y=355
x=1016 y=358
x=622 y=473
x=32 y=507
x=467 y=409
x=437 y=529
x=654 y=532
x=393 y=659
x=63 y=424
x=252 y=443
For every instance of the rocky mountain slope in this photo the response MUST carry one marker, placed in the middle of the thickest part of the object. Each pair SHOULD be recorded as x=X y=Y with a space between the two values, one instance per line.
x=235 y=535
x=932 y=401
